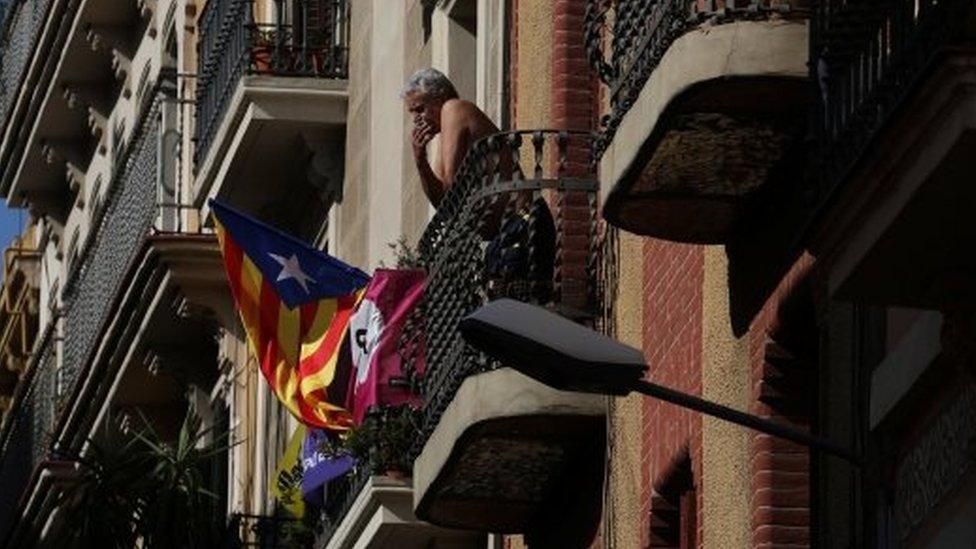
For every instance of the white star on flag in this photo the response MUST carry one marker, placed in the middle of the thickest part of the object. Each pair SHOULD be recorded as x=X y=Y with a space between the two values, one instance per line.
x=290 y=268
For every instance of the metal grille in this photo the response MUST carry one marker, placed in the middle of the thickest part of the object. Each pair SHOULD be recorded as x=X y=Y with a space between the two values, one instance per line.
x=307 y=38
x=22 y=29
x=26 y=442
x=45 y=403
x=626 y=39
x=129 y=214
x=267 y=532
x=502 y=179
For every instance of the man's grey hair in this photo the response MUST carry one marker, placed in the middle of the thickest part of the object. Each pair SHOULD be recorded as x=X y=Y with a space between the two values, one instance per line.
x=429 y=83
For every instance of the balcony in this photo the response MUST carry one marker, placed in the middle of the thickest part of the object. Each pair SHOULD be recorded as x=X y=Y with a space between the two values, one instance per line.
x=895 y=134
x=708 y=104
x=137 y=323
x=498 y=451
x=24 y=433
x=72 y=70
x=19 y=310
x=369 y=509
x=372 y=505
x=271 y=94
x=22 y=27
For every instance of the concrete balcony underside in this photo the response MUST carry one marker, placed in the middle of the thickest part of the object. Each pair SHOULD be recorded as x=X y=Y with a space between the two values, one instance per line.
x=272 y=126
x=69 y=89
x=709 y=131
x=900 y=230
x=503 y=449
x=157 y=322
x=382 y=516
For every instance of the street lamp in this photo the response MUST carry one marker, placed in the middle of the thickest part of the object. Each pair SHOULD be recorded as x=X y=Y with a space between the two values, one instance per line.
x=568 y=356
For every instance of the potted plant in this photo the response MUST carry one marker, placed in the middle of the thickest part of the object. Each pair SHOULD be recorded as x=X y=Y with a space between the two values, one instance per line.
x=384 y=439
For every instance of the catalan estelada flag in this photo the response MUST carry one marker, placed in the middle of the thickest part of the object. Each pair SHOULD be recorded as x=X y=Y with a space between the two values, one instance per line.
x=295 y=302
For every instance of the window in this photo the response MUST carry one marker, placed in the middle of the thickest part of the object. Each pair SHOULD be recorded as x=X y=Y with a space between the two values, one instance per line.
x=674 y=509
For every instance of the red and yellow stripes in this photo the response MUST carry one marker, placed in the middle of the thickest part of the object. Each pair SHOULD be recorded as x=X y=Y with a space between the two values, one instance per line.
x=297 y=348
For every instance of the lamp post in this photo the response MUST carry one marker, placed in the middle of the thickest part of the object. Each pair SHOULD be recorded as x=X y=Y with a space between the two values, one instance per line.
x=570 y=357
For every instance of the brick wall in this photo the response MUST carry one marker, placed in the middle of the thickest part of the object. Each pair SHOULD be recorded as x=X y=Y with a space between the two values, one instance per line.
x=573 y=106
x=573 y=85
x=673 y=277
x=782 y=340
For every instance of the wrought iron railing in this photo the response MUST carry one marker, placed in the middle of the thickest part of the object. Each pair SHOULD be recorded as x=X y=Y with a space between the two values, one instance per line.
x=389 y=430
x=626 y=39
x=519 y=221
x=306 y=38
x=267 y=532
x=21 y=29
x=866 y=58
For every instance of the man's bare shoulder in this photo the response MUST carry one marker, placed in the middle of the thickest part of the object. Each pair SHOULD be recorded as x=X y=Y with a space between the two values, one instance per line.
x=465 y=113
x=459 y=107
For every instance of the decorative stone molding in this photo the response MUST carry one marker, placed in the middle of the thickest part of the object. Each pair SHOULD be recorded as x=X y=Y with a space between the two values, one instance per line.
x=107 y=38
x=932 y=468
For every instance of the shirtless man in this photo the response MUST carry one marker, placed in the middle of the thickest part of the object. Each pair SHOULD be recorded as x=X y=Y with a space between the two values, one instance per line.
x=508 y=263
x=433 y=101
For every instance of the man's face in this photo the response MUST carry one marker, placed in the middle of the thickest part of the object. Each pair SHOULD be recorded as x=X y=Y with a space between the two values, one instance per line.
x=424 y=110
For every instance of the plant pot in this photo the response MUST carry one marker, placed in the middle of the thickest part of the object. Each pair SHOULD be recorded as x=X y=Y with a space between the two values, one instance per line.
x=396 y=474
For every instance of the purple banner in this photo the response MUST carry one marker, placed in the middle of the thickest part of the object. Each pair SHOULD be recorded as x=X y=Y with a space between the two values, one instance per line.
x=322 y=461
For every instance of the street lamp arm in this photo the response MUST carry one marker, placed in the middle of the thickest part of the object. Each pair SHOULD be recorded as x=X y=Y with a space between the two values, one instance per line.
x=732 y=415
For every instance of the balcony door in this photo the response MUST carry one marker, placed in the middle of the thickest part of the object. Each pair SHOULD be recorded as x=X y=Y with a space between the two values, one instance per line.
x=469 y=40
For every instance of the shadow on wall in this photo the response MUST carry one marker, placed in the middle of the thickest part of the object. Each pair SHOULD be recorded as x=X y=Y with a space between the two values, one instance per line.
x=573 y=519
x=764 y=249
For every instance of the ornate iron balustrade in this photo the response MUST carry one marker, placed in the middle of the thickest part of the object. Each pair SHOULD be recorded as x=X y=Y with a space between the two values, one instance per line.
x=22 y=25
x=626 y=39
x=866 y=58
x=491 y=237
x=267 y=532
x=308 y=38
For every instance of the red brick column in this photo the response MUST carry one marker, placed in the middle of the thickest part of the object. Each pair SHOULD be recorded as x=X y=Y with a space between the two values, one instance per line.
x=781 y=469
x=673 y=277
x=574 y=98
x=574 y=106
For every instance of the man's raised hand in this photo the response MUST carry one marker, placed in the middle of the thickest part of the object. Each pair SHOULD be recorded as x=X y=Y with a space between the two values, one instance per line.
x=422 y=134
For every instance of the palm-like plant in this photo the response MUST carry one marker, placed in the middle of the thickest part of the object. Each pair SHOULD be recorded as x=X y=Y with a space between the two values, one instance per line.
x=180 y=510
x=142 y=488
x=101 y=509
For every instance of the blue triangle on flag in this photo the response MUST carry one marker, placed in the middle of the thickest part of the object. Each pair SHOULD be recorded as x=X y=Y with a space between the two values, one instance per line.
x=299 y=272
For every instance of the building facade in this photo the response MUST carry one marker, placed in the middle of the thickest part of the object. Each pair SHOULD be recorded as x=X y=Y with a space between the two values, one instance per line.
x=776 y=159
x=768 y=199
